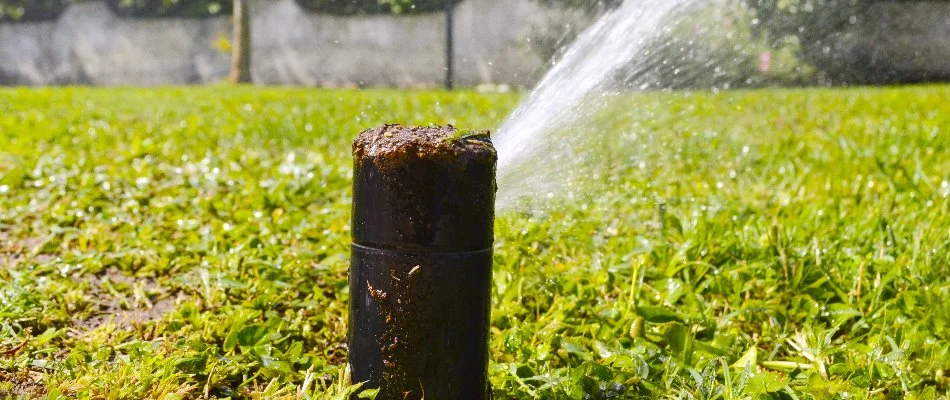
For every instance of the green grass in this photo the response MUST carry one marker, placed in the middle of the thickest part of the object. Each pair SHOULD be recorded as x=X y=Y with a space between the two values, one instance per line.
x=193 y=243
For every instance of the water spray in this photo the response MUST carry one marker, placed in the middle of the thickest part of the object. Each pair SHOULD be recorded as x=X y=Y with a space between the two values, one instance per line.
x=545 y=144
x=420 y=278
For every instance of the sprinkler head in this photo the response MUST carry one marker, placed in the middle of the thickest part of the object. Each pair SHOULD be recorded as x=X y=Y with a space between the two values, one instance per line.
x=420 y=278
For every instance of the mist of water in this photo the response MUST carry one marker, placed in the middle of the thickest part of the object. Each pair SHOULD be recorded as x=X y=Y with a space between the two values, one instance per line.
x=548 y=147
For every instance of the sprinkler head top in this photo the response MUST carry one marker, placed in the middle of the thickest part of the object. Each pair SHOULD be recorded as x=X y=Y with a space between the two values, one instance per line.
x=425 y=188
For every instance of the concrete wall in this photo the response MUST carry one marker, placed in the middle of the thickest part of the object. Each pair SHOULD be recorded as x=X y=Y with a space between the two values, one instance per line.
x=90 y=45
x=903 y=41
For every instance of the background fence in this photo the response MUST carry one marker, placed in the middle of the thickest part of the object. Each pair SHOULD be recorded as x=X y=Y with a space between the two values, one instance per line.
x=496 y=41
x=89 y=44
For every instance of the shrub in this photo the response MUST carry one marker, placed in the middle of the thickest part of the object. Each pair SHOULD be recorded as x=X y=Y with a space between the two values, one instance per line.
x=728 y=54
x=813 y=24
x=30 y=10
x=170 y=8
x=358 y=7
x=44 y=10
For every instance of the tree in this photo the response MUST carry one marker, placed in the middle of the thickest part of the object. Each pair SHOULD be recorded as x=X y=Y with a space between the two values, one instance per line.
x=241 y=47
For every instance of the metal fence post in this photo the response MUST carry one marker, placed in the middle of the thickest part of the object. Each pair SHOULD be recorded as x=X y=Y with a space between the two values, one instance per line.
x=449 y=45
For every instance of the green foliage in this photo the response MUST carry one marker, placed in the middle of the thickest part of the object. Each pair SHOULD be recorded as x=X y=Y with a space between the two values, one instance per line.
x=816 y=25
x=356 y=7
x=728 y=55
x=191 y=243
x=44 y=10
x=807 y=19
x=813 y=24
x=30 y=10
x=170 y=8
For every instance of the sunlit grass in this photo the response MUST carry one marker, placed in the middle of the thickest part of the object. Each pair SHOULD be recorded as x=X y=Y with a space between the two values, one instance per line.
x=191 y=243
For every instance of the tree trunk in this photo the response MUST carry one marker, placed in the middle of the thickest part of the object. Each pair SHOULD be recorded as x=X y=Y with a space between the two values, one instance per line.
x=241 y=46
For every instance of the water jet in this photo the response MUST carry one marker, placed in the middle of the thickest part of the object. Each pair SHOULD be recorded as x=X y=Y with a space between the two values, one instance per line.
x=420 y=275
x=548 y=147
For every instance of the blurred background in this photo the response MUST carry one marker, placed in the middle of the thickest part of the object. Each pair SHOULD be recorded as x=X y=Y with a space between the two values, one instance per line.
x=486 y=44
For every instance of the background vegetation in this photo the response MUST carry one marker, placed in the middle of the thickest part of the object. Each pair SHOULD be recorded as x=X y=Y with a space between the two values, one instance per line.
x=43 y=10
x=351 y=7
x=30 y=10
x=193 y=243
x=169 y=8
x=799 y=38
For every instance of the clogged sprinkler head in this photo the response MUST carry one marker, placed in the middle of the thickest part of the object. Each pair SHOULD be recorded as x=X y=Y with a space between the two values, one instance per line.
x=392 y=145
x=429 y=188
x=420 y=274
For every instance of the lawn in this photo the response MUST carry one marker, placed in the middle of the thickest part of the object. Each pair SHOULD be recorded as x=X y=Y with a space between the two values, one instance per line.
x=194 y=243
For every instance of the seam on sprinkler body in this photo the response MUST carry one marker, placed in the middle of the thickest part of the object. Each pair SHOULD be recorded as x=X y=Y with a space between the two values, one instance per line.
x=419 y=252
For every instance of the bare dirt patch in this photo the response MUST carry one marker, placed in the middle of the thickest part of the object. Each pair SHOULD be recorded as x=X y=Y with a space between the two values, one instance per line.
x=24 y=384
x=146 y=302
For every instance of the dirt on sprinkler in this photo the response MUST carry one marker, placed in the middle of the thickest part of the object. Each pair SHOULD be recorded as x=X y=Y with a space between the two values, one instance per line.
x=406 y=314
x=390 y=145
